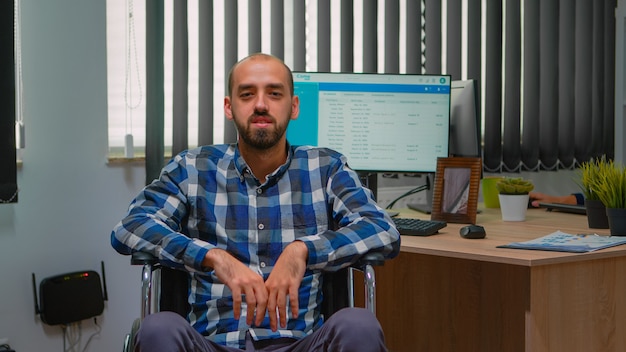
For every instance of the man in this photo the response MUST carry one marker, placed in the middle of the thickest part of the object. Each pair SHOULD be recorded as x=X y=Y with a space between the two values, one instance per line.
x=255 y=224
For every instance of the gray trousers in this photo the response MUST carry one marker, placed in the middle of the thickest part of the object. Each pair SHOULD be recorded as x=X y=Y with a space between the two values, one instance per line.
x=350 y=329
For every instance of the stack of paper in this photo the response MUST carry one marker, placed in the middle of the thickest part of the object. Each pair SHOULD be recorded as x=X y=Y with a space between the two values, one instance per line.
x=565 y=242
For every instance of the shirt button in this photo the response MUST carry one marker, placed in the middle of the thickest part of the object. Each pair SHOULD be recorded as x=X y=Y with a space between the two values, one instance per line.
x=262 y=264
x=259 y=190
x=261 y=226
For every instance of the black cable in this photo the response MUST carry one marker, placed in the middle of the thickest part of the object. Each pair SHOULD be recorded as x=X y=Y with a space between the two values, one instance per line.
x=408 y=193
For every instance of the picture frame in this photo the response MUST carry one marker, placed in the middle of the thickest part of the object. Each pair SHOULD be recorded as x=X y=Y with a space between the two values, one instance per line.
x=455 y=193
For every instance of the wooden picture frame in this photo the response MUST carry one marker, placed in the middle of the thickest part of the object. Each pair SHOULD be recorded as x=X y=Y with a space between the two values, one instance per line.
x=455 y=195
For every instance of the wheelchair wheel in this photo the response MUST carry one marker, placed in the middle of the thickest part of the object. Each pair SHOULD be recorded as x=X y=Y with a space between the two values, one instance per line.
x=129 y=340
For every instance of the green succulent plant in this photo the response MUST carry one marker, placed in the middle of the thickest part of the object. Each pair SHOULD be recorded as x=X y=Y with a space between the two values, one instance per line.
x=590 y=173
x=514 y=185
x=610 y=185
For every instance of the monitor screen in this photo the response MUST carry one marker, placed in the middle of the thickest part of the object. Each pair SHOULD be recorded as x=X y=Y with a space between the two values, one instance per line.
x=380 y=122
x=464 y=119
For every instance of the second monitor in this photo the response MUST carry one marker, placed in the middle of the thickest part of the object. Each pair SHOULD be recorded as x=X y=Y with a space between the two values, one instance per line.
x=465 y=121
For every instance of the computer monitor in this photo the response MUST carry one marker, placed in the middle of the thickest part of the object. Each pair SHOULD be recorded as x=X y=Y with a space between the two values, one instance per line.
x=465 y=119
x=380 y=122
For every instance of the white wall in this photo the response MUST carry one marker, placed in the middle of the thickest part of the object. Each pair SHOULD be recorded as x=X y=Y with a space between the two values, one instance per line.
x=69 y=197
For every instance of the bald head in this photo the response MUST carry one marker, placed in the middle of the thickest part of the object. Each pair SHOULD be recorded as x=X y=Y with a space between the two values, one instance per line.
x=260 y=57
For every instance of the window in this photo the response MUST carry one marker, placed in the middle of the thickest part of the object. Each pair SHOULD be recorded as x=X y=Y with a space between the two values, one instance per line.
x=126 y=60
x=126 y=74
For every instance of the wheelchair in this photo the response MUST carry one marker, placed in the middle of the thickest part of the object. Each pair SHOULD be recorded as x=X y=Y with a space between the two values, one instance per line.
x=165 y=289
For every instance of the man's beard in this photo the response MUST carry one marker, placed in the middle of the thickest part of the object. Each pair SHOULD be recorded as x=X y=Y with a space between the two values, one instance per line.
x=261 y=139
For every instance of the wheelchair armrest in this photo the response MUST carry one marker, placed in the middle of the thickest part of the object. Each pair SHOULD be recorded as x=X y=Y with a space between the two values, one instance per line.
x=370 y=258
x=366 y=265
x=143 y=258
x=150 y=263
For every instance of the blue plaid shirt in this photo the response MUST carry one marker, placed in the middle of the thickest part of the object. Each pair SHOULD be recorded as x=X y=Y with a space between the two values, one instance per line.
x=207 y=198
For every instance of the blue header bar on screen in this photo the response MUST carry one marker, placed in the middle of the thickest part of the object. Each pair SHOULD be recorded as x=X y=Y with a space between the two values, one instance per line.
x=383 y=88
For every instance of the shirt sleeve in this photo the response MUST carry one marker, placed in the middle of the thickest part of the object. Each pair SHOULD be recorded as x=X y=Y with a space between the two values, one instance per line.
x=580 y=199
x=153 y=222
x=361 y=225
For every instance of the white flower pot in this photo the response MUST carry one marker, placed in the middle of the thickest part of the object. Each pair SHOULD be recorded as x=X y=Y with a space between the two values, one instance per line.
x=513 y=207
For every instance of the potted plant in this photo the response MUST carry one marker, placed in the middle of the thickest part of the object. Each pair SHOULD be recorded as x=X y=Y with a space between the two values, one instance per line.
x=610 y=187
x=589 y=173
x=513 y=196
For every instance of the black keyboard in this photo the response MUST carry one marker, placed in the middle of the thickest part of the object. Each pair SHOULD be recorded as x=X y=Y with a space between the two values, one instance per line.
x=417 y=227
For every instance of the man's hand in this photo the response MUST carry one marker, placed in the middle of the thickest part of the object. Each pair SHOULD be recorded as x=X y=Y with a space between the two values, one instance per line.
x=241 y=280
x=284 y=280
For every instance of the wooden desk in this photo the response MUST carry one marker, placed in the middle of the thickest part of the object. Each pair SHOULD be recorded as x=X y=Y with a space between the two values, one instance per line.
x=446 y=293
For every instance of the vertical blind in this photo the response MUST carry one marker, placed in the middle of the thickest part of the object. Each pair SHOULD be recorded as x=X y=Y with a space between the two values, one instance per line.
x=8 y=171
x=545 y=68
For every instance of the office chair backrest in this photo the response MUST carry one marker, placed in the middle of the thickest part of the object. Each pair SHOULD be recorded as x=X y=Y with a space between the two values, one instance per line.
x=174 y=291
x=335 y=291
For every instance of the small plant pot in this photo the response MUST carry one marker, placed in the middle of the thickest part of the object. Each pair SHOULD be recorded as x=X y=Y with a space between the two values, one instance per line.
x=617 y=221
x=513 y=207
x=596 y=214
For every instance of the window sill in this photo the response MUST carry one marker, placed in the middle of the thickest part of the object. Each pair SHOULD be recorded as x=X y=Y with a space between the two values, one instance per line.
x=115 y=160
x=117 y=156
x=120 y=160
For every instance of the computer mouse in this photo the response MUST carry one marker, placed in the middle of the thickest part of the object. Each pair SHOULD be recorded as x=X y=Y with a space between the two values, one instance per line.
x=472 y=232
